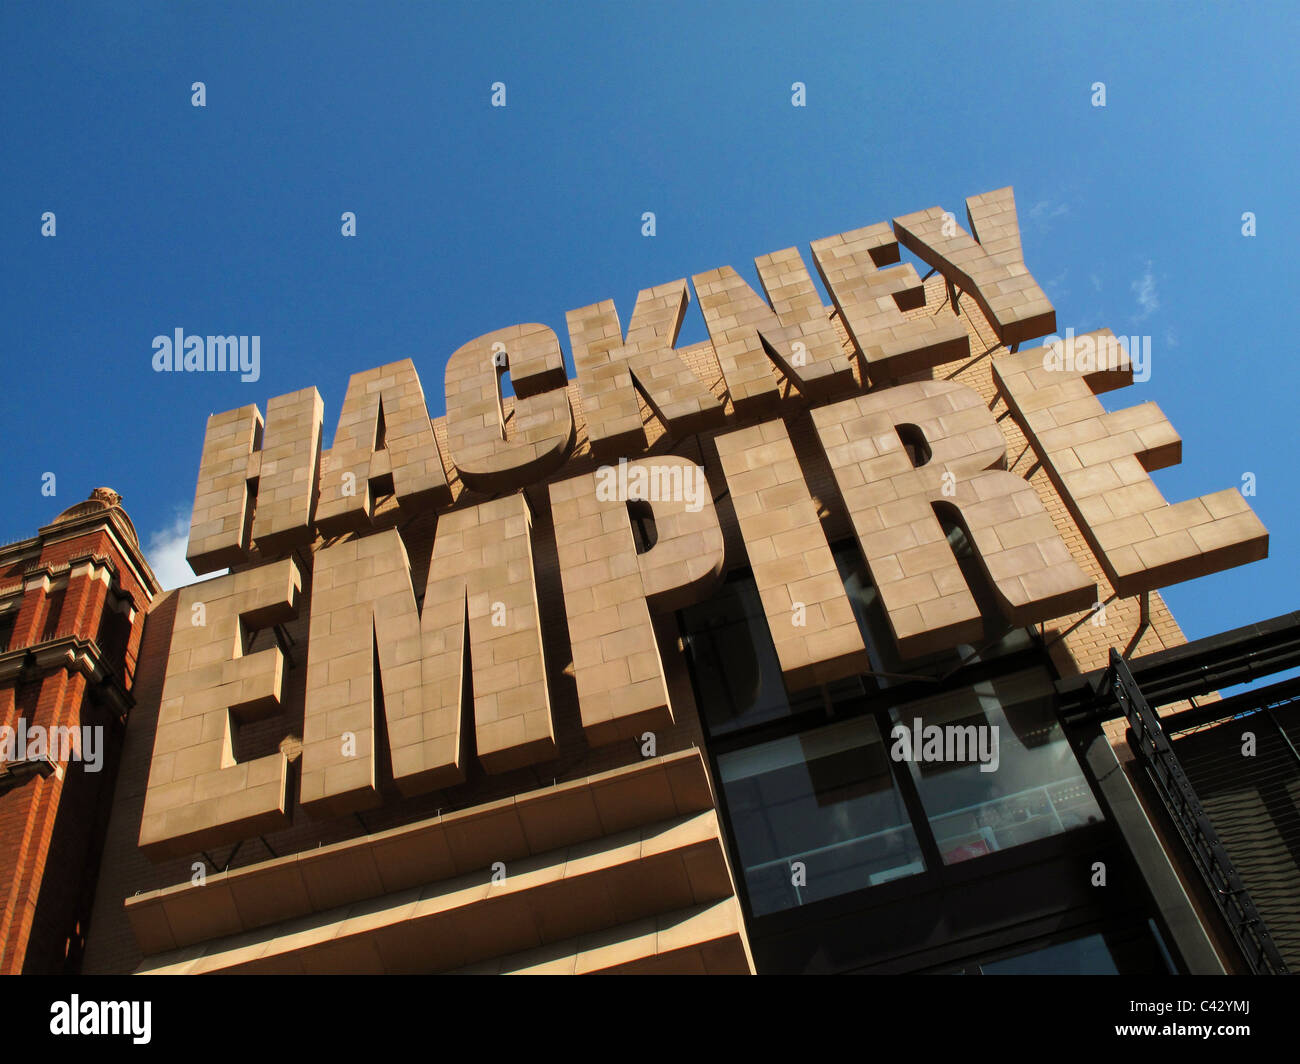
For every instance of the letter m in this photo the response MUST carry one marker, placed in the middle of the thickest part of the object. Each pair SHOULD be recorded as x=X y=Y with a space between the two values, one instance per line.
x=223 y=352
x=399 y=679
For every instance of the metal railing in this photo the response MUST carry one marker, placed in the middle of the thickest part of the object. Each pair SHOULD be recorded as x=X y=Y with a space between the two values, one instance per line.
x=1198 y=834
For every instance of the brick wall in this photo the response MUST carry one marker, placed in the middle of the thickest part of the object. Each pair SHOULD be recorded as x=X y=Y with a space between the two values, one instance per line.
x=52 y=827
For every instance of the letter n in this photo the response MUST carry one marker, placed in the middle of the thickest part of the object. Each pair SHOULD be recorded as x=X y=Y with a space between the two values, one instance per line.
x=748 y=333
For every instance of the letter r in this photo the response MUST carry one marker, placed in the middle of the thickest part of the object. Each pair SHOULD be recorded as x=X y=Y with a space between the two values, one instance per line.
x=894 y=497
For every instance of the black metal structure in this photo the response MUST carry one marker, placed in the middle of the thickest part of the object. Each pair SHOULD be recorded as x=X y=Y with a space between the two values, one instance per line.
x=1201 y=774
x=1197 y=668
x=1153 y=747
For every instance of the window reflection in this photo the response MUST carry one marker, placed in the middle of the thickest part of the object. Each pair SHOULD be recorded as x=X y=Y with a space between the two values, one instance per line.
x=1037 y=788
x=737 y=673
x=1121 y=950
x=819 y=813
x=999 y=639
x=825 y=799
x=1082 y=956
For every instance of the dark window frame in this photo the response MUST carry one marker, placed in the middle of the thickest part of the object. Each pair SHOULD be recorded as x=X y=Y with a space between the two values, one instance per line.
x=936 y=877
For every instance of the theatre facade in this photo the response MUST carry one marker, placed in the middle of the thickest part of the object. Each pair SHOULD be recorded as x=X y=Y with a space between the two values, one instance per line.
x=761 y=654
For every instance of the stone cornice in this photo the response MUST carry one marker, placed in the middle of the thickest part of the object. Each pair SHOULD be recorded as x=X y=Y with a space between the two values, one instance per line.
x=69 y=652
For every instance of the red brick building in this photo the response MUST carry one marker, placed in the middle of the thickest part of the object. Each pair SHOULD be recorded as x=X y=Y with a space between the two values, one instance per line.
x=72 y=605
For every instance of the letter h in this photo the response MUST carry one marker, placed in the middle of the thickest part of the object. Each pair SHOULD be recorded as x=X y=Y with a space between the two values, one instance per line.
x=257 y=489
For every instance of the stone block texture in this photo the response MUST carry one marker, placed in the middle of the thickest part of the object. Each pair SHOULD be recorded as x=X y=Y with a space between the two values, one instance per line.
x=257 y=483
x=891 y=494
x=808 y=612
x=383 y=431
x=288 y=469
x=1101 y=463
x=220 y=526
x=871 y=302
x=496 y=450
x=607 y=367
x=609 y=590
x=199 y=790
x=988 y=263
x=749 y=333
x=364 y=612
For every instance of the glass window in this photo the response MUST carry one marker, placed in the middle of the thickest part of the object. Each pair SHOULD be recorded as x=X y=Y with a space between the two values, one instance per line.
x=1081 y=956
x=114 y=635
x=737 y=674
x=992 y=766
x=1120 y=951
x=998 y=638
x=824 y=800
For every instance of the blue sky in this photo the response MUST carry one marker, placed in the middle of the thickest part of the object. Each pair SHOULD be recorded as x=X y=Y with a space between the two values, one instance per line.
x=226 y=219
